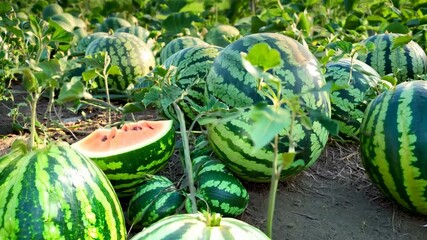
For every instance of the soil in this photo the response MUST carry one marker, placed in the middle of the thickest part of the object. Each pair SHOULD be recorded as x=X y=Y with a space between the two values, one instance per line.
x=334 y=199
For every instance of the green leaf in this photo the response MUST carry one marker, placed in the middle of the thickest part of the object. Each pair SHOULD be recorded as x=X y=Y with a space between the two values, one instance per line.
x=267 y=122
x=288 y=158
x=263 y=56
x=51 y=68
x=349 y=5
x=72 y=90
x=114 y=70
x=345 y=46
x=29 y=80
x=303 y=22
x=152 y=96
x=89 y=74
x=400 y=41
x=170 y=94
x=133 y=107
x=330 y=124
x=59 y=34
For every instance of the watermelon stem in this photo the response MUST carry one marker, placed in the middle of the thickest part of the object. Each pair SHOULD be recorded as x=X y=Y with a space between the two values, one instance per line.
x=187 y=157
x=33 y=105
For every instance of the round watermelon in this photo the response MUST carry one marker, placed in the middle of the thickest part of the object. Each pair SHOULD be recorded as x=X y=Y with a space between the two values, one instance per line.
x=85 y=41
x=300 y=74
x=405 y=62
x=191 y=65
x=129 y=53
x=200 y=226
x=156 y=198
x=393 y=144
x=51 y=10
x=178 y=44
x=221 y=35
x=57 y=193
x=112 y=23
x=358 y=84
x=217 y=189
x=138 y=31
x=126 y=155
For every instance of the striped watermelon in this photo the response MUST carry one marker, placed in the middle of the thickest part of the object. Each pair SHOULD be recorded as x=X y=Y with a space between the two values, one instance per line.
x=178 y=44
x=154 y=199
x=129 y=53
x=192 y=64
x=200 y=226
x=127 y=154
x=393 y=144
x=112 y=23
x=56 y=193
x=406 y=62
x=221 y=35
x=359 y=83
x=84 y=42
x=218 y=190
x=231 y=83
x=138 y=31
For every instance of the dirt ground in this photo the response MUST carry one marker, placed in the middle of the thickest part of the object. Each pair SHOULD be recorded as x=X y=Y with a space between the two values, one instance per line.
x=334 y=199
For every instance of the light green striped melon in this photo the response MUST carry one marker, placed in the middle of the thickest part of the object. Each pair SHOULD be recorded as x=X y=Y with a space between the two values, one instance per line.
x=178 y=44
x=129 y=53
x=300 y=74
x=112 y=23
x=156 y=198
x=126 y=155
x=221 y=35
x=218 y=190
x=406 y=62
x=359 y=84
x=191 y=66
x=57 y=193
x=393 y=144
x=138 y=31
x=200 y=227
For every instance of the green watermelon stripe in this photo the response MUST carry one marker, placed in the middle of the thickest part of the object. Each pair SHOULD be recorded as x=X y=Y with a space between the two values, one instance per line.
x=98 y=193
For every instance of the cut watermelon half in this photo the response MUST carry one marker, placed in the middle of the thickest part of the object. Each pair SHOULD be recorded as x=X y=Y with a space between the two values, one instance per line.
x=127 y=154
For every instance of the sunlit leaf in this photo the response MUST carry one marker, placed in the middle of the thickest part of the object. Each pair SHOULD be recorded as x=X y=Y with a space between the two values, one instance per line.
x=267 y=122
x=73 y=90
x=114 y=70
x=262 y=55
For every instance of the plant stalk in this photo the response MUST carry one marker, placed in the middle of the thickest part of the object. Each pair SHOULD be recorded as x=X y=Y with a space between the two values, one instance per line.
x=33 y=105
x=275 y=177
x=187 y=158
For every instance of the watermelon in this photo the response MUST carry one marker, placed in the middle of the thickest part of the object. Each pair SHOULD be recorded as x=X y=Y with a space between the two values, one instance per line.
x=178 y=44
x=138 y=31
x=200 y=226
x=192 y=64
x=112 y=23
x=65 y=20
x=57 y=193
x=221 y=35
x=218 y=190
x=156 y=198
x=393 y=144
x=51 y=10
x=405 y=62
x=129 y=53
x=359 y=85
x=85 y=41
x=229 y=82
x=126 y=155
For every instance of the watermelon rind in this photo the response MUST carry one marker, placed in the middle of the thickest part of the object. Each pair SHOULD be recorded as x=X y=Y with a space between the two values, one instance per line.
x=126 y=167
x=196 y=226
x=57 y=193
x=393 y=144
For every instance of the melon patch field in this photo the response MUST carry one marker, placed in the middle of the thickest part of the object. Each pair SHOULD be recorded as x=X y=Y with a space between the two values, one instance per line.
x=213 y=119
